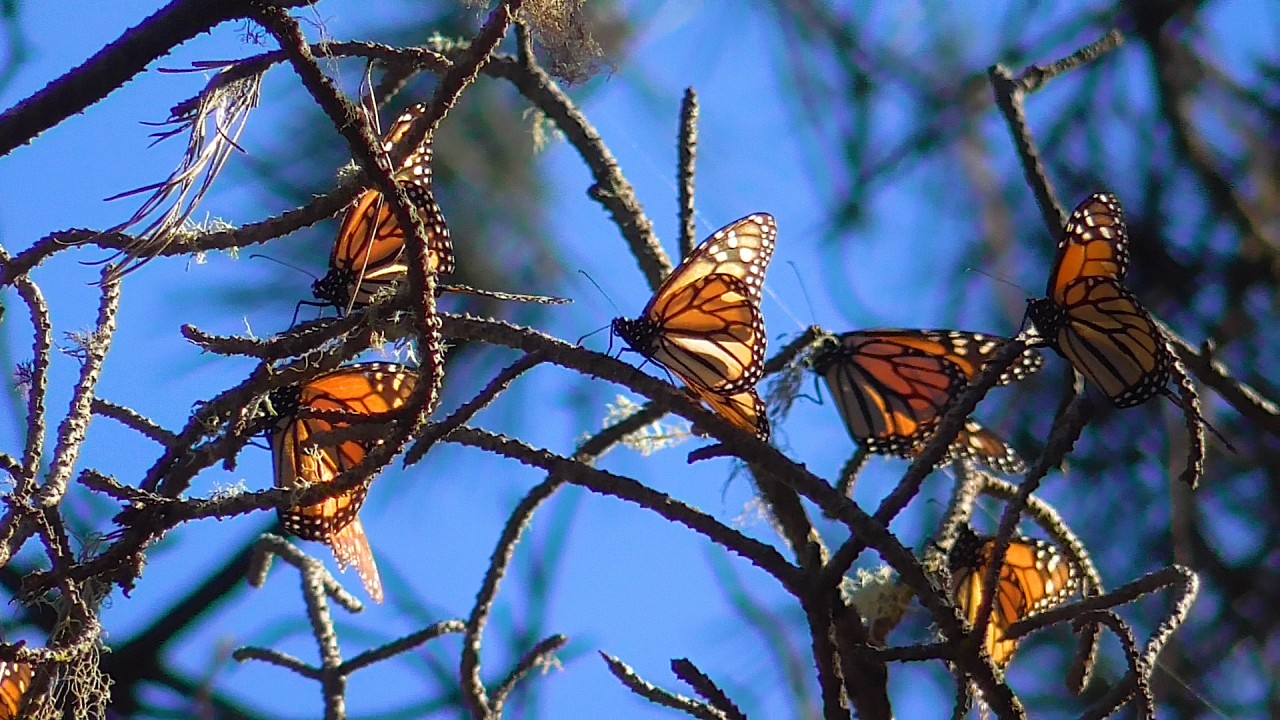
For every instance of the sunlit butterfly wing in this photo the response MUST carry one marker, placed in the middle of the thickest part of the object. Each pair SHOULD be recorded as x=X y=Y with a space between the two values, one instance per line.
x=1035 y=577
x=745 y=410
x=1094 y=244
x=743 y=249
x=368 y=253
x=891 y=387
x=368 y=391
x=712 y=336
x=1091 y=319
x=704 y=323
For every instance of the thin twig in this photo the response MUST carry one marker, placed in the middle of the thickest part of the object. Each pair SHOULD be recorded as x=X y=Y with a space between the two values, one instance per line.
x=657 y=695
x=111 y=67
x=687 y=150
x=706 y=687
x=71 y=433
x=540 y=655
x=130 y=418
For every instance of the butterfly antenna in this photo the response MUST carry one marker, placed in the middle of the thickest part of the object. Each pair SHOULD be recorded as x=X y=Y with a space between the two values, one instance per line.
x=291 y=266
x=785 y=308
x=804 y=290
x=998 y=279
x=602 y=292
x=1173 y=397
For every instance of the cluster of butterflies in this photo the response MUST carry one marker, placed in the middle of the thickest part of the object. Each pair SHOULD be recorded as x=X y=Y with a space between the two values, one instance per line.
x=704 y=325
x=892 y=387
x=367 y=259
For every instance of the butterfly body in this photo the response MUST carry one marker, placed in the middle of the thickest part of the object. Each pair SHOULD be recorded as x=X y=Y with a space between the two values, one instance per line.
x=704 y=322
x=892 y=388
x=368 y=391
x=1087 y=315
x=1034 y=577
x=368 y=254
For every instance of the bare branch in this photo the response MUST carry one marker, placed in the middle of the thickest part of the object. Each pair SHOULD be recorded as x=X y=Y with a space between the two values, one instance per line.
x=687 y=149
x=657 y=695
x=112 y=66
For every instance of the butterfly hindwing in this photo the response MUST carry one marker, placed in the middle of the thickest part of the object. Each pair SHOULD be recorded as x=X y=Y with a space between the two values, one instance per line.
x=745 y=410
x=976 y=442
x=1035 y=577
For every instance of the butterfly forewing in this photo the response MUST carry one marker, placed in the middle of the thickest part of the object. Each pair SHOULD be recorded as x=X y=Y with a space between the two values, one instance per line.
x=742 y=249
x=420 y=159
x=15 y=686
x=1095 y=243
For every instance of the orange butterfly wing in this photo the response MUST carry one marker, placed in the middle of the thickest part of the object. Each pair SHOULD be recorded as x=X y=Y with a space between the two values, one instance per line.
x=15 y=682
x=745 y=410
x=743 y=249
x=712 y=335
x=367 y=255
x=1095 y=244
x=891 y=387
x=369 y=391
x=1034 y=577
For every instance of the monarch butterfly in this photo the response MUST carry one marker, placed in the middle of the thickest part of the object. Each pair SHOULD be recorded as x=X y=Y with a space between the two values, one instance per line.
x=893 y=386
x=15 y=685
x=1092 y=320
x=1035 y=577
x=704 y=323
x=367 y=255
x=367 y=390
